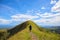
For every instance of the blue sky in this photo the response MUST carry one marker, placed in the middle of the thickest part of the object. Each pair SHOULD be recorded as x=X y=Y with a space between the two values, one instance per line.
x=42 y=12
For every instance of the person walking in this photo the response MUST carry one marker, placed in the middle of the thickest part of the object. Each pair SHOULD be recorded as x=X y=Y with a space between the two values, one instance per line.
x=30 y=28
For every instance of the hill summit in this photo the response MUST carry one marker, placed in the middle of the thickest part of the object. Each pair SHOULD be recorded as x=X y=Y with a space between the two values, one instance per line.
x=22 y=32
x=25 y=25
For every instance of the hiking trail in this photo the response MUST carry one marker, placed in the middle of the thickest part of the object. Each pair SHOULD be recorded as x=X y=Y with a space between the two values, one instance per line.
x=33 y=36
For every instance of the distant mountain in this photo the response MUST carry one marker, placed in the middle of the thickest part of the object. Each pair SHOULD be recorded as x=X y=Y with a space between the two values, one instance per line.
x=5 y=26
x=22 y=32
x=55 y=29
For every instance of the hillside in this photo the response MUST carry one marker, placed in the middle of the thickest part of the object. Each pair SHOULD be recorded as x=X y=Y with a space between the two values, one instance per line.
x=22 y=32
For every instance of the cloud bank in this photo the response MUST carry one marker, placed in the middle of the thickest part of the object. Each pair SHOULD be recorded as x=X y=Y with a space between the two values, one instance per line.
x=47 y=18
x=56 y=7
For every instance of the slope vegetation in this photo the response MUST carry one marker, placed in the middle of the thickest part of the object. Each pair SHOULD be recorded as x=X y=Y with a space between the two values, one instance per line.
x=22 y=32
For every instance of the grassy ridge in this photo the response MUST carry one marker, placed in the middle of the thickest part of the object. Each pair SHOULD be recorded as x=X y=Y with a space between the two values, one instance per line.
x=24 y=34
x=43 y=34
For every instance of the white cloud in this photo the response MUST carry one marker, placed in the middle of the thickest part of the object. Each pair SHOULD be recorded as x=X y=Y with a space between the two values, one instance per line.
x=4 y=21
x=54 y=21
x=56 y=17
x=18 y=17
x=44 y=19
x=47 y=15
x=53 y=2
x=56 y=7
x=48 y=19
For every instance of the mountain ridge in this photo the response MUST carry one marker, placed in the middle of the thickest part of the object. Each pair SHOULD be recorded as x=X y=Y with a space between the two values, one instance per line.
x=40 y=32
x=22 y=32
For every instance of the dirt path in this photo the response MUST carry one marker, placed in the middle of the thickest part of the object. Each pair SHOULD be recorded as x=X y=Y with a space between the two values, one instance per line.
x=33 y=36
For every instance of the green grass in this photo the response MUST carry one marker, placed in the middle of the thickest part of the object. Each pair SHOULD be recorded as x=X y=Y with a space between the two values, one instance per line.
x=22 y=35
x=41 y=33
x=3 y=34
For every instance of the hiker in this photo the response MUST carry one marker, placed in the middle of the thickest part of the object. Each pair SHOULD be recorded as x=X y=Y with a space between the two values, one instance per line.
x=30 y=28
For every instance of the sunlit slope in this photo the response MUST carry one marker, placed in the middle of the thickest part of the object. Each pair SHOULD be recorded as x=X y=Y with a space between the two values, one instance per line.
x=24 y=33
